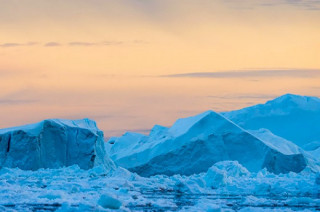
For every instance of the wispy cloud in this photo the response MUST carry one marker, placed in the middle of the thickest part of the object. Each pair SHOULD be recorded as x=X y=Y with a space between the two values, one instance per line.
x=301 y=73
x=8 y=45
x=4 y=45
x=81 y=44
x=74 y=43
x=20 y=97
x=17 y=101
x=306 y=4
x=52 y=44
x=250 y=4
x=104 y=43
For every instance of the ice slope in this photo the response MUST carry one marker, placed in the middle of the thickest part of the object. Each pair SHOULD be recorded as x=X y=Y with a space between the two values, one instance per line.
x=313 y=149
x=287 y=147
x=194 y=144
x=293 y=117
x=53 y=143
x=315 y=153
x=312 y=146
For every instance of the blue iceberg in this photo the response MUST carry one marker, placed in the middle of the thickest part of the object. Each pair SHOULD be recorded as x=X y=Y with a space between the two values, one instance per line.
x=194 y=144
x=293 y=117
x=53 y=143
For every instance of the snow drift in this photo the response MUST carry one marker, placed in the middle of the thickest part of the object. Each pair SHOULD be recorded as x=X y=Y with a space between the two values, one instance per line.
x=194 y=144
x=293 y=117
x=53 y=143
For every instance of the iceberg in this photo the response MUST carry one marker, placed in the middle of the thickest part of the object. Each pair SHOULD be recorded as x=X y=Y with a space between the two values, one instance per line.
x=53 y=143
x=293 y=117
x=218 y=175
x=313 y=148
x=192 y=145
x=315 y=153
x=109 y=201
x=287 y=147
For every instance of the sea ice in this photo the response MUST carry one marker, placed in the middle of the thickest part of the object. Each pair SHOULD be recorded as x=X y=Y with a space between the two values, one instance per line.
x=74 y=189
x=109 y=201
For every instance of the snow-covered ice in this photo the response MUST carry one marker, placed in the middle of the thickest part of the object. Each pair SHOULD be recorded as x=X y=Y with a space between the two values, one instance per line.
x=293 y=117
x=194 y=144
x=53 y=143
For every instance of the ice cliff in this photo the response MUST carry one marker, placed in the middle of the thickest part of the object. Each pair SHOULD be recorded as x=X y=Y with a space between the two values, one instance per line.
x=53 y=143
x=194 y=144
x=293 y=117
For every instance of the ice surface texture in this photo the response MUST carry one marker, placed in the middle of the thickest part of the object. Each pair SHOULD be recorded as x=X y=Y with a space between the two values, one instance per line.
x=293 y=117
x=226 y=185
x=53 y=143
x=194 y=144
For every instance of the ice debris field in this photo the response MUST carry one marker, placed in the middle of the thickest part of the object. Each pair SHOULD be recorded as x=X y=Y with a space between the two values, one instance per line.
x=261 y=158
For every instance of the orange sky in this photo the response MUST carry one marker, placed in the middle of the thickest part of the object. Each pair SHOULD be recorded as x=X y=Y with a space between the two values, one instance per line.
x=113 y=61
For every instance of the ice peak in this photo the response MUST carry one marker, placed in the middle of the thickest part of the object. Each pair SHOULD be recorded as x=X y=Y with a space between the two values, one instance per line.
x=302 y=102
x=195 y=143
x=287 y=97
x=293 y=117
x=183 y=125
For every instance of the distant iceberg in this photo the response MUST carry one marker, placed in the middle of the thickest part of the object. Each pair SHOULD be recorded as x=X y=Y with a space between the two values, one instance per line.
x=53 y=143
x=293 y=117
x=194 y=144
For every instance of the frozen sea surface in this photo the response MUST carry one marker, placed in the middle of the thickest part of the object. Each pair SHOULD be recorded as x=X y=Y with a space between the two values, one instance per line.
x=227 y=186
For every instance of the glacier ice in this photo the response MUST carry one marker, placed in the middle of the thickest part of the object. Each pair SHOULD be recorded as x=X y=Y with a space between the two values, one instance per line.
x=293 y=117
x=194 y=144
x=53 y=143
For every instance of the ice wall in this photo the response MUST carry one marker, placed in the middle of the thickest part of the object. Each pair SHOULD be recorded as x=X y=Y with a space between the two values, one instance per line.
x=53 y=143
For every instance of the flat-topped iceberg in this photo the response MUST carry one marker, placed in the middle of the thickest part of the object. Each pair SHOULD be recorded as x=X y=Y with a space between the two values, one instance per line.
x=293 y=117
x=194 y=144
x=53 y=143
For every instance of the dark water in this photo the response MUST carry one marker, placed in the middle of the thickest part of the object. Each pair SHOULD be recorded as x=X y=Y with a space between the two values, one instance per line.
x=227 y=201
x=186 y=201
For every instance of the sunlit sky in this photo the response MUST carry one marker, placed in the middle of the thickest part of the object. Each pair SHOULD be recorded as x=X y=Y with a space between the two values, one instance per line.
x=130 y=64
